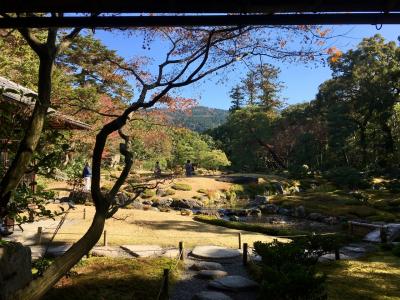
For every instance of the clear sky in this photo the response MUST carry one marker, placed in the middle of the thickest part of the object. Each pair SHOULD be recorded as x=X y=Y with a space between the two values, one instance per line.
x=301 y=80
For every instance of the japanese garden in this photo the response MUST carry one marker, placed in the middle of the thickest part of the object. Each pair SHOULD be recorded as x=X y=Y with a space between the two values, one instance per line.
x=235 y=159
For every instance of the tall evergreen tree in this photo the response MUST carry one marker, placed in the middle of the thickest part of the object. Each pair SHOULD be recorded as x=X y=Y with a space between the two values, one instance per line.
x=236 y=94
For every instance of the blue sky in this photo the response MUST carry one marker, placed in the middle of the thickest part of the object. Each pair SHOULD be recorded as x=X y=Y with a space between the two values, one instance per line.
x=301 y=80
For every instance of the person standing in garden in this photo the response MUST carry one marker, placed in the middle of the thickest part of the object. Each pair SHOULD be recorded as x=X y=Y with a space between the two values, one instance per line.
x=87 y=177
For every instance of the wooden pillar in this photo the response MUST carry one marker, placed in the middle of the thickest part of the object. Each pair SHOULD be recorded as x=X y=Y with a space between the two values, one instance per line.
x=245 y=248
x=105 y=243
x=240 y=240
x=181 y=251
x=39 y=235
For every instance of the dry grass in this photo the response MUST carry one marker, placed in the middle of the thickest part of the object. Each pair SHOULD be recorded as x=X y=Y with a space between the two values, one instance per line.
x=157 y=228
x=374 y=277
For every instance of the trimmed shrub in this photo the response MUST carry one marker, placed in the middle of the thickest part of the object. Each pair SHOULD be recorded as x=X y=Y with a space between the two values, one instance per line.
x=346 y=177
x=181 y=187
x=289 y=269
x=148 y=193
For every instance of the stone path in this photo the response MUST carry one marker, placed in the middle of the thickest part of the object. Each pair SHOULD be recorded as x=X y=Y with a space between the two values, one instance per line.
x=223 y=278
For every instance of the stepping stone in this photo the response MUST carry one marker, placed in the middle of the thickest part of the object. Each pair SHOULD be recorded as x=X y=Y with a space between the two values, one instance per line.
x=143 y=250
x=206 y=265
x=354 y=249
x=331 y=257
x=207 y=295
x=172 y=253
x=37 y=252
x=108 y=251
x=55 y=251
x=233 y=283
x=214 y=252
x=211 y=274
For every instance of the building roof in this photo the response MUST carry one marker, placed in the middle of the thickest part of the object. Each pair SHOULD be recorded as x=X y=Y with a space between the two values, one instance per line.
x=19 y=94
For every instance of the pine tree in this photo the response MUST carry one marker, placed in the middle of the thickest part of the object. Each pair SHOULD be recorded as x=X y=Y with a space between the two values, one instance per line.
x=237 y=97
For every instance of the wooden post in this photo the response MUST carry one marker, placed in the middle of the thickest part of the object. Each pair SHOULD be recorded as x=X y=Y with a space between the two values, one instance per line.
x=240 y=240
x=337 y=254
x=383 y=234
x=165 y=288
x=181 y=251
x=105 y=238
x=350 y=227
x=245 y=247
x=84 y=213
x=39 y=235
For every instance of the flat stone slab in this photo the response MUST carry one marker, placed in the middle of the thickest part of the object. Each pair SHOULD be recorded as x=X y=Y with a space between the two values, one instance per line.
x=143 y=250
x=58 y=250
x=214 y=252
x=37 y=252
x=208 y=295
x=233 y=283
x=171 y=253
x=331 y=257
x=109 y=251
x=206 y=265
x=211 y=274
x=354 y=249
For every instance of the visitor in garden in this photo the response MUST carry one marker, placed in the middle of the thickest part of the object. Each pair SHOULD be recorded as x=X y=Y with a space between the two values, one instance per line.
x=189 y=168
x=157 y=169
x=87 y=177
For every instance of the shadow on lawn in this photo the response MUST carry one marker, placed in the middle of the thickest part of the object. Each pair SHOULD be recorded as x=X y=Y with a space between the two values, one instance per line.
x=111 y=279
x=373 y=277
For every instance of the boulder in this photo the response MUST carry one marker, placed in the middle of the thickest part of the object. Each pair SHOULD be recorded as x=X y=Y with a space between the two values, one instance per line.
x=147 y=202
x=233 y=283
x=186 y=203
x=137 y=205
x=283 y=211
x=206 y=265
x=271 y=208
x=209 y=295
x=316 y=217
x=15 y=268
x=234 y=218
x=299 y=211
x=122 y=198
x=256 y=212
x=186 y=212
x=161 y=192
x=211 y=274
x=331 y=220
x=261 y=199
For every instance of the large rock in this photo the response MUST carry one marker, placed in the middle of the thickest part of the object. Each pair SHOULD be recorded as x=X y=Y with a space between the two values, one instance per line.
x=299 y=211
x=55 y=251
x=392 y=234
x=256 y=212
x=15 y=268
x=206 y=265
x=270 y=208
x=209 y=295
x=186 y=203
x=211 y=274
x=260 y=199
x=233 y=283
x=316 y=217
x=143 y=250
x=214 y=252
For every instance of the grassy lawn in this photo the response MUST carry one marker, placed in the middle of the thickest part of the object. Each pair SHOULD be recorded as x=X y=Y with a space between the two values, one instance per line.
x=374 y=277
x=106 y=278
x=379 y=206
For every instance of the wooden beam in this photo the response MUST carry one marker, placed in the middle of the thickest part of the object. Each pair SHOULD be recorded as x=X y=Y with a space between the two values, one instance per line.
x=205 y=20
x=204 y=6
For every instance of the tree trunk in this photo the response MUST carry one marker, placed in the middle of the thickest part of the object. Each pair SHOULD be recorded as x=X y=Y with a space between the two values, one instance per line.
x=32 y=135
x=38 y=287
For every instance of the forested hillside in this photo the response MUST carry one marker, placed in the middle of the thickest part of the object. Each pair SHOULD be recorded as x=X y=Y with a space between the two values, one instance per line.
x=199 y=118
